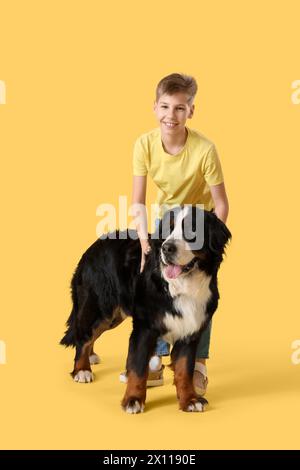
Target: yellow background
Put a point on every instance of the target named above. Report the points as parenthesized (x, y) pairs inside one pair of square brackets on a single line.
[(80, 80)]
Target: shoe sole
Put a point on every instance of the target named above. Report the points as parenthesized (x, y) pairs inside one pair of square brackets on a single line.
[(150, 383), (155, 383)]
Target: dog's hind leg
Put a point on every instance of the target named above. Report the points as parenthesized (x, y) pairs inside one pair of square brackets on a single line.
[(85, 355), (88, 325), (118, 317), (82, 371), (94, 358)]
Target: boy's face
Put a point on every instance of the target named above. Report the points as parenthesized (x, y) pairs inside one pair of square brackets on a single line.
[(172, 111)]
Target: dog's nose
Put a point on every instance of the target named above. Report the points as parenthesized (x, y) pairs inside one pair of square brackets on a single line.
[(168, 248)]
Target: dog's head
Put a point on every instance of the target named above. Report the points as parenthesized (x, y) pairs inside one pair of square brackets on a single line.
[(193, 239)]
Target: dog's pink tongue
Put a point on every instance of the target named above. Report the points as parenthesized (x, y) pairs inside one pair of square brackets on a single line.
[(172, 271)]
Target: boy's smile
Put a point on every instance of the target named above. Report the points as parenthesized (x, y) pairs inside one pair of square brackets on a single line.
[(172, 111)]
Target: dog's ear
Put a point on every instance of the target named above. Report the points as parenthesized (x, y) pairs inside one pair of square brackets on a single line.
[(218, 234)]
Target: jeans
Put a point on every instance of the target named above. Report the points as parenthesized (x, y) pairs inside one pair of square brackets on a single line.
[(163, 348)]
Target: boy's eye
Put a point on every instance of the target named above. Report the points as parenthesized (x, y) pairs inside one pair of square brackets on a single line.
[(181, 109)]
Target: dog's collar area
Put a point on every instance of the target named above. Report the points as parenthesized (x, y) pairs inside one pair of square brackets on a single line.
[(189, 266)]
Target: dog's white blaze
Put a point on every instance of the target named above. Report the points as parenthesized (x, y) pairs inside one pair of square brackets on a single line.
[(184, 254), (177, 231), (191, 295)]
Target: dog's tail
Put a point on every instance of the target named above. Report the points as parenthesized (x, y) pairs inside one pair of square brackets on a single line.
[(69, 338)]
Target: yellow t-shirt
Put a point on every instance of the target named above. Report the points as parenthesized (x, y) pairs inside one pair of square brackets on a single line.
[(183, 178)]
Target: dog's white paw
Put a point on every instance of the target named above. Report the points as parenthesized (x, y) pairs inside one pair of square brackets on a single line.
[(198, 407), (134, 407), (84, 376), (95, 359)]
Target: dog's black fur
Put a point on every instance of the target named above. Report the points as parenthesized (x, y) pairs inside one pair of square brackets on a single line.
[(107, 286)]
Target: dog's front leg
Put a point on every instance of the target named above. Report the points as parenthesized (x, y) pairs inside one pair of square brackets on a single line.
[(141, 346), (183, 361)]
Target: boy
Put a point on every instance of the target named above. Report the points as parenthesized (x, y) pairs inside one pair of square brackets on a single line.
[(185, 167)]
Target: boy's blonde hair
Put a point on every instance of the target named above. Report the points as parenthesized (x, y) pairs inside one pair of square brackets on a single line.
[(177, 82)]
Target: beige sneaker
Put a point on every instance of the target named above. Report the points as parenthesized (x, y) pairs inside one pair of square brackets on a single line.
[(200, 378), (155, 377)]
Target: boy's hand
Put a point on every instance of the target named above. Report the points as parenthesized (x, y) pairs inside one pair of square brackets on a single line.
[(146, 248)]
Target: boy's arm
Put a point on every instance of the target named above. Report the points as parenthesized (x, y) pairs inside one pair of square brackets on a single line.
[(219, 196), (139, 211), (139, 198)]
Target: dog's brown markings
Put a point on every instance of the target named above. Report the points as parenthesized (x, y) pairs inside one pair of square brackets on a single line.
[(136, 389), (83, 362), (183, 381)]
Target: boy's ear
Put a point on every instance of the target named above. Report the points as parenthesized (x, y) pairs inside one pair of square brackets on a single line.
[(192, 111)]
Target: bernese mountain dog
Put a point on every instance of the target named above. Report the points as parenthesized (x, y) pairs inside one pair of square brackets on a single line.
[(174, 297)]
